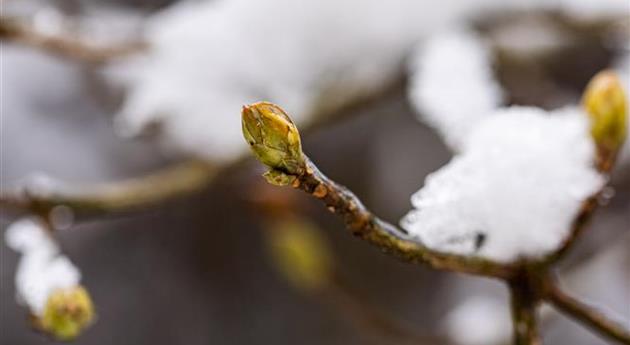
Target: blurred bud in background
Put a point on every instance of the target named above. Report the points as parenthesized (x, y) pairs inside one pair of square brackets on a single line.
[(300, 253)]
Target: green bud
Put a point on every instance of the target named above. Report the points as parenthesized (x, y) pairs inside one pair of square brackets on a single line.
[(273, 137), (605, 102), (301, 254), (67, 313)]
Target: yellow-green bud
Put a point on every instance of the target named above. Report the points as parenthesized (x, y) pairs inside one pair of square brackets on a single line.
[(301, 254), (273, 137), (605, 102), (67, 313)]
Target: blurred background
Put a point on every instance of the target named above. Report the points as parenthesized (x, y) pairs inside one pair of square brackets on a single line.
[(198, 270)]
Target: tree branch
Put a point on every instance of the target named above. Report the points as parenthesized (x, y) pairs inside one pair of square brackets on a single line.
[(14, 31), (365, 225), (172, 182), (589, 316)]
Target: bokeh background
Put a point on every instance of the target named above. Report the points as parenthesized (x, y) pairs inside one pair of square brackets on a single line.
[(197, 270)]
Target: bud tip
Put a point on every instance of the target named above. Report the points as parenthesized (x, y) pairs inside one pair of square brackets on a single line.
[(273, 137)]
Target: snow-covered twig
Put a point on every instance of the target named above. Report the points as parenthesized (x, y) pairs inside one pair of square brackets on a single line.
[(47, 282), (275, 141), (485, 190), (14, 31)]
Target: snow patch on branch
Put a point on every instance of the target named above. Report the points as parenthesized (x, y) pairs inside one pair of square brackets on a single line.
[(42, 269), (514, 190)]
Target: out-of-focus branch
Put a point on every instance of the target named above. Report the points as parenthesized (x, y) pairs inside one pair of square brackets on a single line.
[(587, 315), (41, 197), (15, 31), (140, 192)]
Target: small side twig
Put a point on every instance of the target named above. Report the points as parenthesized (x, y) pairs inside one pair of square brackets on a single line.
[(181, 179), (15, 31), (587, 315)]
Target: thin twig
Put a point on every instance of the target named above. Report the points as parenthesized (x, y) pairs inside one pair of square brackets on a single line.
[(178, 180), (588, 315), (15, 31), (386, 236)]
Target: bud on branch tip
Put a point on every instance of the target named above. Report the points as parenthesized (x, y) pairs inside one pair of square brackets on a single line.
[(606, 104), (273, 137)]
